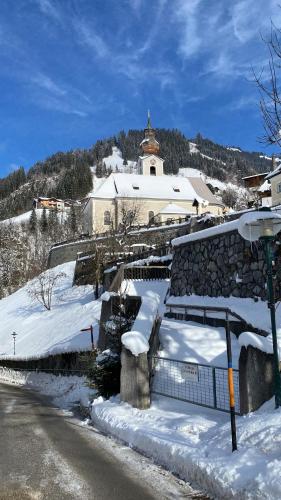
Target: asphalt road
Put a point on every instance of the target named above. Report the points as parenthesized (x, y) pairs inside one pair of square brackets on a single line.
[(45, 456)]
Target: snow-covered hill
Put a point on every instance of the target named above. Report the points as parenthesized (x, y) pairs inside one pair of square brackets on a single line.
[(23, 218), (41, 332)]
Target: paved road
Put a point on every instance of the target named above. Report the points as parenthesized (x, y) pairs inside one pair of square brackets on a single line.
[(45, 456)]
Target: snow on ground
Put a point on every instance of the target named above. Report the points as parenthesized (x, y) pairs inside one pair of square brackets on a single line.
[(255, 313), (64, 390), (23, 218), (188, 341), (152, 295), (195, 443), (42, 333)]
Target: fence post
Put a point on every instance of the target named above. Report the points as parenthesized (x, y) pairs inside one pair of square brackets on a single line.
[(230, 384), (214, 387)]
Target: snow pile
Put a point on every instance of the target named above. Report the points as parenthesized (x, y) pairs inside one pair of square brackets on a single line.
[(152, 296), (249, 225), (150, 260), (194, 343), (195, 443), (40, 332), (64, 390), (262, 343)]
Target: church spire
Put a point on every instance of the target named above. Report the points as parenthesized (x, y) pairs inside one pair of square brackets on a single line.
[(148, 120), (149, 144)]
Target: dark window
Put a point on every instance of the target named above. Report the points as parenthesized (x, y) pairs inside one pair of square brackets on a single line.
[(152, 170), (150, 216), (107, 218), (176, 189)]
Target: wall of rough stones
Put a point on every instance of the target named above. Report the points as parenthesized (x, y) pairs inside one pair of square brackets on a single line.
[(221, 265), (67, 252)]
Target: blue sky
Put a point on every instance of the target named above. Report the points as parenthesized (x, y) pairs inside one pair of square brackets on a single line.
[(73, 71)]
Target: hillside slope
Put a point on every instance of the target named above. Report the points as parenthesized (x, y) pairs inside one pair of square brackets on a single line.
[(40, 332), (68, 175)]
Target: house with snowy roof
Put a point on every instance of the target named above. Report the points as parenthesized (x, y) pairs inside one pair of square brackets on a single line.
[(149, 195), (274, 178)]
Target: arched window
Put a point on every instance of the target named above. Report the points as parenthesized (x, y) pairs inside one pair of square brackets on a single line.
[(152, 170), (150, 216), (107, 218)]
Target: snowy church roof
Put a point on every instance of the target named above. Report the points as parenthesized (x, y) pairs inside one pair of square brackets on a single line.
[(155, 187)]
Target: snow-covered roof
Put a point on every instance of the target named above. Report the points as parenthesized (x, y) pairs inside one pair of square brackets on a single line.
[(266, 186), (255, 175), (276, 171), (172, 208), (156, 187)]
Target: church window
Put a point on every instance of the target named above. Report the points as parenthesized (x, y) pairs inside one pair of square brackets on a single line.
[(152, 170), (107, 218), (150, 216)]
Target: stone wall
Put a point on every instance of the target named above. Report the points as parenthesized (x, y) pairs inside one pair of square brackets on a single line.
[(67, 252), (256, 378), (221, 265)]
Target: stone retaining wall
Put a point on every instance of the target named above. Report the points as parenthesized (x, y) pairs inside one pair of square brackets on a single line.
[(68, 251), (222, 265)]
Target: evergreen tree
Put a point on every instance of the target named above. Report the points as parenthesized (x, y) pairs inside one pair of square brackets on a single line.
[(33, 221), (44, 221), (73, 220)]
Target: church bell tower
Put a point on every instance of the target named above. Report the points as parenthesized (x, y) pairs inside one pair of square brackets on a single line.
[(149, 162)]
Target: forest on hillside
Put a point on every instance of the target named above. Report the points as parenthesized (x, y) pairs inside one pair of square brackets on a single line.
[(67, 175)]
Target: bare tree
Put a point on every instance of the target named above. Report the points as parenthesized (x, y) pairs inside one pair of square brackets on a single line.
[(229, 197), (42, 287), (269, 86), (129, 214)]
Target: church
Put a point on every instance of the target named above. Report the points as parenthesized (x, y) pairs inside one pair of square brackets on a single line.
[(147, 196)]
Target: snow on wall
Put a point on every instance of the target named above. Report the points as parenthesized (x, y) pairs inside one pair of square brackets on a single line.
[(152, 297)]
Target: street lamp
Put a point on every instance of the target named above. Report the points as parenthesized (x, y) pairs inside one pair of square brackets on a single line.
[(263, 225), (14, 334)]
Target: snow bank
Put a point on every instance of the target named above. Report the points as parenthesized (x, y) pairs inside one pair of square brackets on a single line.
[(194, 343), (248, 224), (152, 297), (64, 390), (206, 233), (262, 343), (195, 443), (41, 333), (150, 260)]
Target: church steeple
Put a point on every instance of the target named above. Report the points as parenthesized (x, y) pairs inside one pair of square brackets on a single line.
[(149, 144), (148, 120)]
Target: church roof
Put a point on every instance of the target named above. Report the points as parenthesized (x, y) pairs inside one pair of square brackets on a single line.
[(164, 187)]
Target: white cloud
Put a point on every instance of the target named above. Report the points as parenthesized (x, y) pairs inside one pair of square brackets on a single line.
[(49, 8), (187, 15), (46, 83), (89, 37)]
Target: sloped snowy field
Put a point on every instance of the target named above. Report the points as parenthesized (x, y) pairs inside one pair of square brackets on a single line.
[(40, 332)]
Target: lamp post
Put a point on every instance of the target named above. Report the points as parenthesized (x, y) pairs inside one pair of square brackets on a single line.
[(14, 334), (263, 225)]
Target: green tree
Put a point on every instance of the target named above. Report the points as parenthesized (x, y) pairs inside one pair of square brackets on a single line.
[(44, 221), (73, 220), (33, 221)]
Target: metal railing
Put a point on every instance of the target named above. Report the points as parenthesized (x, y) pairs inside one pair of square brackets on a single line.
[(199, 384), (186, 309), (146, 273)]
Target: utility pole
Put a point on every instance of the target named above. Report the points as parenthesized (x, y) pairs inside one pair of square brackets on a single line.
[(14, 334)]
